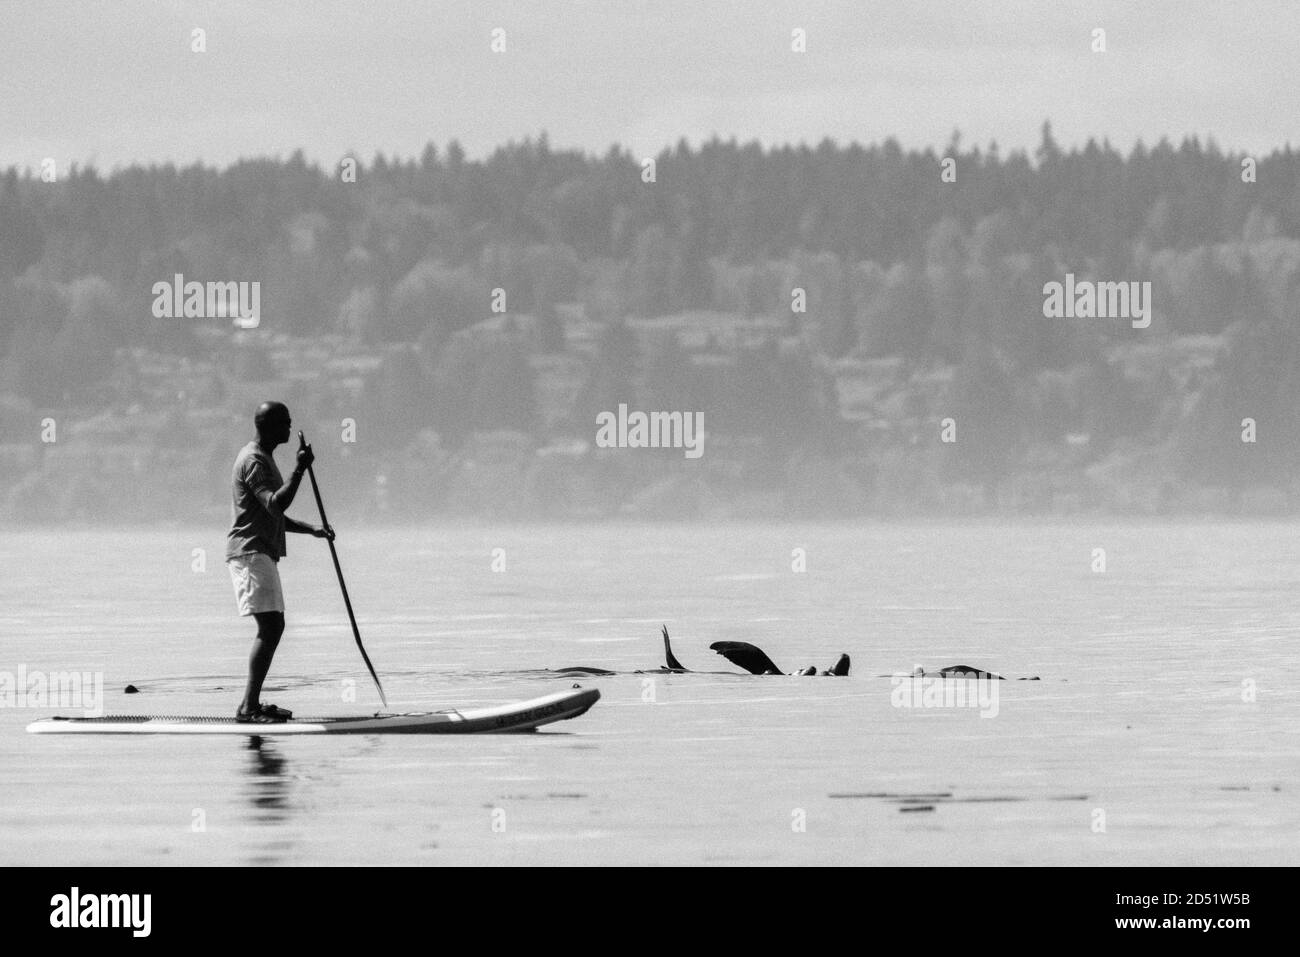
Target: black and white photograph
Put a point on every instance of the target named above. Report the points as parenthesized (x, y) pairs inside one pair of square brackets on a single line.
[(691, 433)]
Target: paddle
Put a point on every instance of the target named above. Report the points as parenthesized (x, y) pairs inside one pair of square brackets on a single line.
[(320, 507)]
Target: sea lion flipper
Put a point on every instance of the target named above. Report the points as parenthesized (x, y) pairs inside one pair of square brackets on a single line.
[(747, 656), (673, 663), (840, 668)]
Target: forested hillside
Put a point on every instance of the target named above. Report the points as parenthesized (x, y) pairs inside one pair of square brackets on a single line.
[(861, 334)]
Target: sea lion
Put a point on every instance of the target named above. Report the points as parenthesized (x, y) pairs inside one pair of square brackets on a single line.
[(964, 671)]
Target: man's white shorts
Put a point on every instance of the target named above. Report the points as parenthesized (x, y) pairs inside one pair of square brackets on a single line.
[(257, 583)]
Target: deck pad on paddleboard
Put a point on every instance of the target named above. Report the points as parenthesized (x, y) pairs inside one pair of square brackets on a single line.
[(519, 716)]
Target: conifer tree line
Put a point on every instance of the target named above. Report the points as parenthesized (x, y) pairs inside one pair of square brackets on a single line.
[(923, 300)]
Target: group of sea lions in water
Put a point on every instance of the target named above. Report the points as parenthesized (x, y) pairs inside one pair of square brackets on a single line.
[(750, 657), (755, 661)]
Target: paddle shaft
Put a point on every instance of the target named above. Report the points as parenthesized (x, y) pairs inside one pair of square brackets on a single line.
[(356, 633)]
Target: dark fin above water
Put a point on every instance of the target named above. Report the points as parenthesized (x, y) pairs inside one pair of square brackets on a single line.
[(841, 667), (673, 663), (747, 656)]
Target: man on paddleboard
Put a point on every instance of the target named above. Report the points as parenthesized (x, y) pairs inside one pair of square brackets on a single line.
[(256, 544)]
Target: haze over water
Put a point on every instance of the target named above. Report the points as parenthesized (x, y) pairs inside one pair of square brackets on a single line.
[(1139, 713)]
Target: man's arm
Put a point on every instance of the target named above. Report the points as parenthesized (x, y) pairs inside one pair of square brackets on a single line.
[(302, 528), (276, 501), (283, 498)]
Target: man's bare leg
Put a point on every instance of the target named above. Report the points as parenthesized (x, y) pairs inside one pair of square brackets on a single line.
[(270, 626)]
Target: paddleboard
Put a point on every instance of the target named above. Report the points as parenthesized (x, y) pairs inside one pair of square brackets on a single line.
[(520, 716)]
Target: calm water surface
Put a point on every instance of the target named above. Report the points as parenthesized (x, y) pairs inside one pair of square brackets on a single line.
[(1139, 725)]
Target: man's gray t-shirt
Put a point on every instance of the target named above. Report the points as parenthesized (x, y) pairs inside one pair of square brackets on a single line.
[(256, 525)]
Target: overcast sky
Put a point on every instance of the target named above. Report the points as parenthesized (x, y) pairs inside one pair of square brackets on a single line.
[(116, 82)]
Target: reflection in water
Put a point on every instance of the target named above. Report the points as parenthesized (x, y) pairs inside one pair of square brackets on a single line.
[(268, 791)]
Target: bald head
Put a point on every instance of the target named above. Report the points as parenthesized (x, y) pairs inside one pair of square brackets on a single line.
[(273, 422)]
